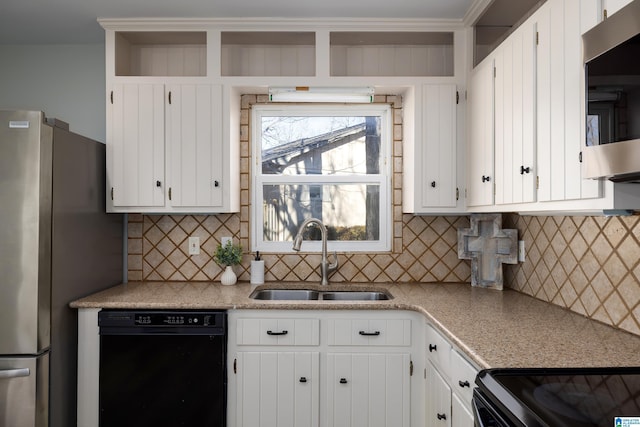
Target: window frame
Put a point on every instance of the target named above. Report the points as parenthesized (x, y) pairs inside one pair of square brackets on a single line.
[(383, 179)]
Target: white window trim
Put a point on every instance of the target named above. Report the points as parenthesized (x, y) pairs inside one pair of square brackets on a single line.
[(384, 244)]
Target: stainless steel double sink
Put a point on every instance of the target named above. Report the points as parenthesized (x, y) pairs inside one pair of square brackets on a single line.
[(312, 295)]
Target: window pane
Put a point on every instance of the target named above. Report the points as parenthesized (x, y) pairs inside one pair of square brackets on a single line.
[(349, 211), (320, 145)]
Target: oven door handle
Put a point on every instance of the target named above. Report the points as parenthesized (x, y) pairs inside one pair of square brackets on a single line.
[(14, 373)]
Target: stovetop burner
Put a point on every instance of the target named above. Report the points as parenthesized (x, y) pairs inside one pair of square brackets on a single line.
[(562, 396)]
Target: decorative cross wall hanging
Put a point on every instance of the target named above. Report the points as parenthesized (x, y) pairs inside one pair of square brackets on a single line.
[(488, 246)]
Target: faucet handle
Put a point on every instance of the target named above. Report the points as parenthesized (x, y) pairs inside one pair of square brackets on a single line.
[(334, 265)]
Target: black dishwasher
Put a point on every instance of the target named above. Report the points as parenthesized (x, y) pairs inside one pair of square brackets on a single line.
[(162, 368)]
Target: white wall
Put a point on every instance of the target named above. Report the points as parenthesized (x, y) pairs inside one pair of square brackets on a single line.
[(64, 81)]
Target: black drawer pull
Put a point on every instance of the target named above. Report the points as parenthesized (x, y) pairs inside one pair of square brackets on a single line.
[(369, 334), (463, 384), (524, 170), (442, 416), (303, 379), (216, 184), (486, 178), (433, 184), (343, 380), (158, 183), (432, 348), (277, 333)]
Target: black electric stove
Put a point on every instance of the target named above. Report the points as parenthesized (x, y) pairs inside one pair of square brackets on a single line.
[(558, 397)]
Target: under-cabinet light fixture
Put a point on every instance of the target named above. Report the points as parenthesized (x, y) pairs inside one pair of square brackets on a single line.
[(321, 94)]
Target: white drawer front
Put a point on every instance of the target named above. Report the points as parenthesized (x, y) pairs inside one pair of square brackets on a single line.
[(438, 350), (463, 376), (369, 332), (278, 332)]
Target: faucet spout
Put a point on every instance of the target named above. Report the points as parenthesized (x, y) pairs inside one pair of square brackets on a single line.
[(325, 268)]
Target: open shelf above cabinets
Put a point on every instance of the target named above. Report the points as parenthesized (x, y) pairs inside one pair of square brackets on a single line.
[(161, 53)]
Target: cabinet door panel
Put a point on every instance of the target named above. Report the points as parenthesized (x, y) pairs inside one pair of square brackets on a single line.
[(368, 390), (439, 146), (460, 415), (195, 145), (438, 399), (277, 389), (136, 164), (480, 146)]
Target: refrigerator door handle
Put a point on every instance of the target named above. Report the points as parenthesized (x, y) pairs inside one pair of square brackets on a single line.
[(14, 373)]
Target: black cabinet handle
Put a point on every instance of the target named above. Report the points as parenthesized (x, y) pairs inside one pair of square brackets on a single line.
[(486, 178), (463, 384), (432, 348), (216, 184), (442, 416), (343, 380), (433, 184), (369, 334), (303, 379), (277, 333), (158, 183), (524, 170)]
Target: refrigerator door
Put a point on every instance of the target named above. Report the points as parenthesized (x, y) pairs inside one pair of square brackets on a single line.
[(23, 391), (25, 235)]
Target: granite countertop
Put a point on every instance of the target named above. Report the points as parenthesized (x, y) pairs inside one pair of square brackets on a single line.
[(496, 329)]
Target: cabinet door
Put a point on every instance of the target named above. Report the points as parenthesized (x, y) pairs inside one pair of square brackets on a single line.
[(480, 142), (439, 186), (560, 105), (368, 389), (438, 410), (135, 146), (194, 139), (277, 389), (514, 118), (460, 415)]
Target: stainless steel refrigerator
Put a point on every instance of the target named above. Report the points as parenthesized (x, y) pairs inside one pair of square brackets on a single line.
[(56, 244)]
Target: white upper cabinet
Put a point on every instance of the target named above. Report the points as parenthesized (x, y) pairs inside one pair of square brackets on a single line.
[(515, 145), (195, 146), (560, 107), (169, 144), (480, 158), (434, 161), (135, 147)]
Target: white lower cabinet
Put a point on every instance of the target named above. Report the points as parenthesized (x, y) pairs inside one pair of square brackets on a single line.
[(450, 381), (324, 368), (277, 388), (368, 389)]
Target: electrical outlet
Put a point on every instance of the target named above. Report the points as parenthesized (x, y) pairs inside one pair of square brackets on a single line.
[(521, 252), (224, 240), (194, 246)]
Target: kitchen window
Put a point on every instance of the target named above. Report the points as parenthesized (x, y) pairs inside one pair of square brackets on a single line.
[(330, 162)]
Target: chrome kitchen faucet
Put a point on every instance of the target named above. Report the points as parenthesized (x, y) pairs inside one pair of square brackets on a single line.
[(325, 268)]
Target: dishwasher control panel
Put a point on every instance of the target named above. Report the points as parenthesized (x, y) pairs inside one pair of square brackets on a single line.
[(148, 319)]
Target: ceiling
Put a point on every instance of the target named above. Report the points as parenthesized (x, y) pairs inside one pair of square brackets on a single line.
[(74, 21)]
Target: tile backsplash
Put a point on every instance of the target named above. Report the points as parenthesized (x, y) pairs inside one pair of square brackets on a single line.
[(590, 265)]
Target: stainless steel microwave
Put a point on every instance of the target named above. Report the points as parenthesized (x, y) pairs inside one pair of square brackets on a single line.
[(612, 77)]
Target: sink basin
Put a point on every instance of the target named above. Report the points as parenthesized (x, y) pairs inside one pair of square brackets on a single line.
[(356, 296), (284, 294), (308, 295)]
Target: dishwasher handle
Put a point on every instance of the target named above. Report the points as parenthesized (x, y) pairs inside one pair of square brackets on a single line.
[(14, 373)]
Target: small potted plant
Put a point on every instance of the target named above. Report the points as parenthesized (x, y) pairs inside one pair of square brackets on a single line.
[(228, 256)]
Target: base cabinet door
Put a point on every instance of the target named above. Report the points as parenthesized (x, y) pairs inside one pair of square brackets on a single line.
[(460, 414), (438, 399), (368, 390), (277, 389)]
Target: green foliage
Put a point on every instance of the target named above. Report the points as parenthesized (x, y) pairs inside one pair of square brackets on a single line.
[(228, 254)]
